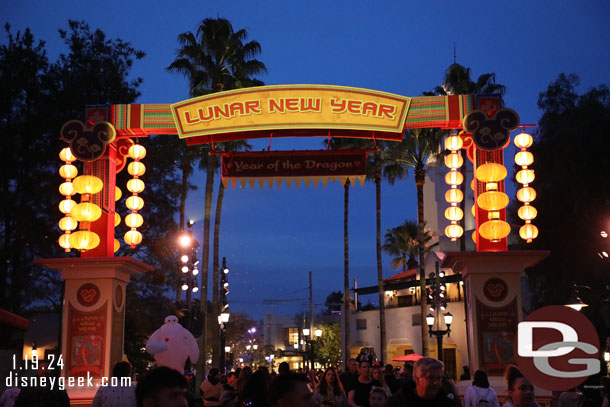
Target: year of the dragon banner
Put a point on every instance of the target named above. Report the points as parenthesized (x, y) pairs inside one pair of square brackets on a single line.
[(275, 167)]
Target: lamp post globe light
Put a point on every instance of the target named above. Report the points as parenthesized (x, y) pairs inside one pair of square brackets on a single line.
[(439, 333), (223, 318), (437, 298), (310, 344)]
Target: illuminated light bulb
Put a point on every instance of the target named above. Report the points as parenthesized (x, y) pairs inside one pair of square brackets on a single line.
[(134, 220), (185, 287), (453, 231), (66, 155), (491, 172), (88, 184), (494, 230), (527, 194), (86, 212), (527, 212), (185, 269), (66, 206), (135, 185), (84, 240), (454, 160), (195, 272), (133, 237), (524, 158), (66, 188), (68, 171), (136, 169), (117, 193), (117, 219), (136, 152), (195, 289), (523, 140), (454, 213), (454, 195), (493, 200), (454, 143), (64, 241), (184, 258), (134, 202), (117, 245), (525, 176), (454, 178), (528, 232)]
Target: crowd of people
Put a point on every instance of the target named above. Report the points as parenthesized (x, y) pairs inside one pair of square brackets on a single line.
[(361, 385)]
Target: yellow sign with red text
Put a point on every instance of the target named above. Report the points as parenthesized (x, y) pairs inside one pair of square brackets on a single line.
[(291, 107)]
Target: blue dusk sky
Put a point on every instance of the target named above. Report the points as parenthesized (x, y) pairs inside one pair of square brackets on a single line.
[(273, 238)]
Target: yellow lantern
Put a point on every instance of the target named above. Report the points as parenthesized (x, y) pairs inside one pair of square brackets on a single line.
[(134, 202), (64, 241), (86, 212), (136, 152), (135, 185), (133, 237), (66, 155), (491, 172), (523, 140), (454, 195), (68, 223), (117, 219), (473, 209), (454, 213), (68, 171), (527, 212), (117, 245), (134, 220), (454, 231), (454, 178), (524, 158), (66, 188), (84, 240), (453, 143), (528, 232), (527, 194), (136, 169), (474, 236), (472, 184), (117, 193), (454, 160), (66, 206), (494, 230), (493, 200), (88, 184), (525, 176)]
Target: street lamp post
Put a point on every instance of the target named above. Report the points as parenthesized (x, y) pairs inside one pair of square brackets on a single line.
[(439, 333), (223, 318), (310, 343)]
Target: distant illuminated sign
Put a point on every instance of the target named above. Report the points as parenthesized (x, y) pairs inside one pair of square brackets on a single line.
[(291, 107)]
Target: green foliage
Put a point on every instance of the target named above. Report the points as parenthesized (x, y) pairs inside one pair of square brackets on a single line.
[(328, 347), (572, 169), (457, 81)]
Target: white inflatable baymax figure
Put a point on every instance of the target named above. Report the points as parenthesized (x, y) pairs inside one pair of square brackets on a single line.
[(172, 344)]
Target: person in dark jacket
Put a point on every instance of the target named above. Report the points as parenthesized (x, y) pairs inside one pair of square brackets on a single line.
[(428, 376)]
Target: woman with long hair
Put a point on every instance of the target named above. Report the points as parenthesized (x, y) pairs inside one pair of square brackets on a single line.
[(480, 393), (329, 391), (520, 390), (377, 374)]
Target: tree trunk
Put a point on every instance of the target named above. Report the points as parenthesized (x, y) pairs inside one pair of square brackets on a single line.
[(420, 179), (382, 332), (209, 189), (346, 294), (215, 262)]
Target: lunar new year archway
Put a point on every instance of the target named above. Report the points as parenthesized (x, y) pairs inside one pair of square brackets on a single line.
[(94, 312)]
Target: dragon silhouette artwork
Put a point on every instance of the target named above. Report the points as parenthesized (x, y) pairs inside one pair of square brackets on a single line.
[(88, 143)]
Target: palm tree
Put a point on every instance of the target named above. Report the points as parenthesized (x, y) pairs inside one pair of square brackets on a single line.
[(401, 241), (381, 164), (213, 59), (338, 144), (421, 148)]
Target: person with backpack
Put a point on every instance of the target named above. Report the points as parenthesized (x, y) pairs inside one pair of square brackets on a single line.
[(480, 394)]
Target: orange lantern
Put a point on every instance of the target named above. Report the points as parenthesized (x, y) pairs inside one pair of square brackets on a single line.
[(84, 240), (86, 212), (528, 232), (133, 237), (493, 200), (454, 196), (88, 184), (494, 230), (454, 231)]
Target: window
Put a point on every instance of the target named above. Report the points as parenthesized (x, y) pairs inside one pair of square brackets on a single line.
[(361, 324), (291, 336), (416, 320), (405, 300)]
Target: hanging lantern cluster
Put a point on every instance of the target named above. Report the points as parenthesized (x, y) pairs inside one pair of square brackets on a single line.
[(454, 195), (493, 201), (526, 194), (134, 203), (117, 218), (68, 171)]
